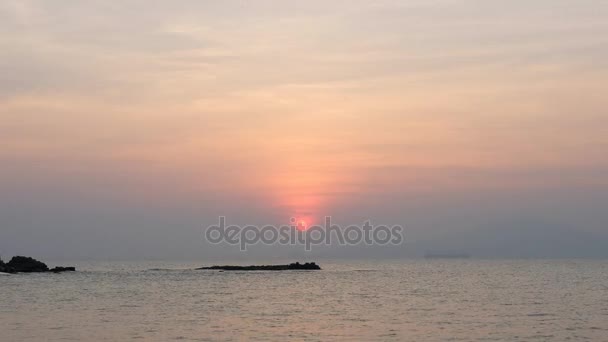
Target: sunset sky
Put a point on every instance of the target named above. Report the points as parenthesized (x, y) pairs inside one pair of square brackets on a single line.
[(129, 125)]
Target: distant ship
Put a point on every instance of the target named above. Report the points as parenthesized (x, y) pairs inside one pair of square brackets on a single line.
[(447, 256)]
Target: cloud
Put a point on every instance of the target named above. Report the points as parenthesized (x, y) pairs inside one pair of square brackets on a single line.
[(271, 109)]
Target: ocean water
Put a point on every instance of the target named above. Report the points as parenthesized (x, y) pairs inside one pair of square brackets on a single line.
[(424, 300)]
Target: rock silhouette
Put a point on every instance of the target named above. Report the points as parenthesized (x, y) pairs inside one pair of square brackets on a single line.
[(21, 264), (293, 266), (59, 269), (26, 265)]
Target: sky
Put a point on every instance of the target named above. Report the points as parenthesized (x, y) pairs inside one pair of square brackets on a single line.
[(127, 127)]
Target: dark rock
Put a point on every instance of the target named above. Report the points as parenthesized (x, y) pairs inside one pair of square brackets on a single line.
[(21, 264), (26, 265), (294, 266), (63, 269)]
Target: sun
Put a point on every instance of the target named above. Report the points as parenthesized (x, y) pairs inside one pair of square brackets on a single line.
[(300, 223)]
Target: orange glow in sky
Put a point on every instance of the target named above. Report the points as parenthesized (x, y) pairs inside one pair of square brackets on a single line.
[(303, 111)]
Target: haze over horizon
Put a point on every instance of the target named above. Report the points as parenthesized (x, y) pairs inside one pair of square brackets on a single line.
[(128, 127)]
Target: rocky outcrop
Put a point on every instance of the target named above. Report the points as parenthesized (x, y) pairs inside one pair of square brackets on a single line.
[(295, 266), (63, 269), (21, 264)]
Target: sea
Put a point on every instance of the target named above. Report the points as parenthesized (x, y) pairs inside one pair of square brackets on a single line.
[(394, 300)]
